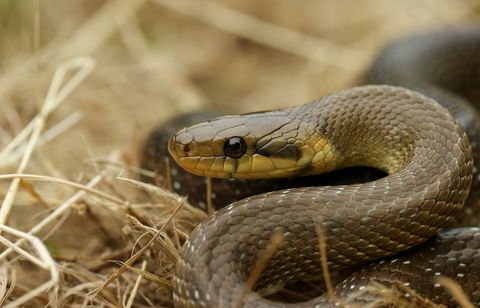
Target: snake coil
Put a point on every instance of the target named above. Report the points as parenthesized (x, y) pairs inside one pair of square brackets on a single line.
[(425, 153)]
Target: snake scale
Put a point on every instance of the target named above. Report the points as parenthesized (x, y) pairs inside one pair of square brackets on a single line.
[(423, 150)]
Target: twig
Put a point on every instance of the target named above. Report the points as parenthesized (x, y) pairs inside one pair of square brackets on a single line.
[(210, 208), (5, 279), (324, 261), (168, 174), (44, 261), (456, 291), (139, 253), (138, 170), (22, 252), (147, 275), (262, 261), (136, 285), (52, 133), (44, 178), (4, 283), (268, 34), (56, 213), (88, 65), (55, 95), (85, 40), (154, 189)]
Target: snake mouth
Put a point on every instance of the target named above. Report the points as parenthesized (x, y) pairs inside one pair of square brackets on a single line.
[(269, 161), (195, 158), (247, 167)]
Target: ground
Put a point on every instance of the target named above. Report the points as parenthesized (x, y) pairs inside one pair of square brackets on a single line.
[(127, 66)]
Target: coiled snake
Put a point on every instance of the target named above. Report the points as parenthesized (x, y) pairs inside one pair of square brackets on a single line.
[(426, 156)]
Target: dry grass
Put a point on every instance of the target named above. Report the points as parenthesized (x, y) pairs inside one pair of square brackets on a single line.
[(120, 67)]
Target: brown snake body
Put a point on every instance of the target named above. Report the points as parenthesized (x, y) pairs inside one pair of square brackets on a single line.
[(417, 142)]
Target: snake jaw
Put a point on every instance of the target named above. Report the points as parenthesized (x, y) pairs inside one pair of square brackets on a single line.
[(275, 146)]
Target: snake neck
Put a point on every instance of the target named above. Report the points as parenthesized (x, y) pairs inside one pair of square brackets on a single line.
[(357, 131)]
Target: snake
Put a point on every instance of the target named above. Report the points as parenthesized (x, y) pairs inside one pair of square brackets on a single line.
[(410, 123)]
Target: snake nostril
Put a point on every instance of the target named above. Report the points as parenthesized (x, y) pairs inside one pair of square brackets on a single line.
[(186, 149), (183, 143)]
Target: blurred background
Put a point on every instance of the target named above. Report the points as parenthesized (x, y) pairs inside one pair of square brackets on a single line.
[(156, 59)]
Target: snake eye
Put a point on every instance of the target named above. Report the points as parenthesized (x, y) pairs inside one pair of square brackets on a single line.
[(234, 147)]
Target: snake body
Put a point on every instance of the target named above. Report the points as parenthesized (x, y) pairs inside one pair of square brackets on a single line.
[(379, 126), (421, 147), (445, 65)]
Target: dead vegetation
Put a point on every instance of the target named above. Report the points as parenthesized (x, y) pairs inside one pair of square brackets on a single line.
[(82, 83)]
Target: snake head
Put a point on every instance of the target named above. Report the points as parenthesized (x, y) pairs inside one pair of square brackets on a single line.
[(258, 145)]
